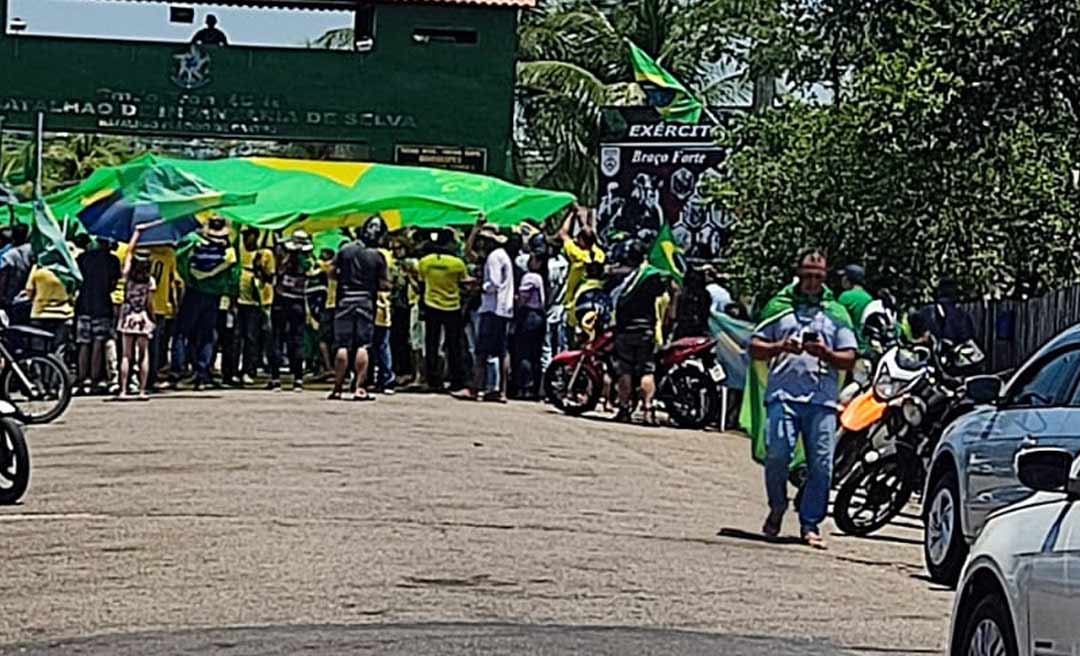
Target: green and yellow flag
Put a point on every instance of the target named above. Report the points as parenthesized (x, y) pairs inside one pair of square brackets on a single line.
[(674, 102), (667, 256)]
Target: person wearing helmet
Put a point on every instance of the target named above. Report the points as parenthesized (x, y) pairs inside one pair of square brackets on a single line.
[(360, 271), (288, 317)]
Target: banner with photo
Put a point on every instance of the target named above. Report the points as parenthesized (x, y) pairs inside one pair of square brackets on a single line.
[(654, 173)]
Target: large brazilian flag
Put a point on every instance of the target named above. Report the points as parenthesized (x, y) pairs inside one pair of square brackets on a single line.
[(287, 194)]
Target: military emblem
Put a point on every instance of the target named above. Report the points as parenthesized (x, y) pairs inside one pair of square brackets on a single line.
[(192, 68)]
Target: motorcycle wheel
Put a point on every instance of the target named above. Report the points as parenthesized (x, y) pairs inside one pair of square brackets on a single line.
[(14, 462), (583, 398), (871, 496), (690, 397), (50, 389)]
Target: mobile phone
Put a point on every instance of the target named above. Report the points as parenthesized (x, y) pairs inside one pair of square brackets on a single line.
[(811, 336)]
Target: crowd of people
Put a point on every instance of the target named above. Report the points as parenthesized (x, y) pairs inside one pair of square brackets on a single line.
[(478, 314)]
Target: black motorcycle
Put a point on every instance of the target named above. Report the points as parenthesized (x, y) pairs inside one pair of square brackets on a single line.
[(14, 457), (892, 466), (35, 381)]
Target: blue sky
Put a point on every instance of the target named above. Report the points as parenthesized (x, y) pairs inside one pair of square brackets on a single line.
[(150, 21)]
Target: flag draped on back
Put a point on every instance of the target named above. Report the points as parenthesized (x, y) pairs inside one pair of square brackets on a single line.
[(752, 415), (674, 102), (51, 249)]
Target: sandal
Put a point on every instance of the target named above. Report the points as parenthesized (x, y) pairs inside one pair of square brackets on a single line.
[(814, 541), (361, 398), (334, 396), (623, 416)]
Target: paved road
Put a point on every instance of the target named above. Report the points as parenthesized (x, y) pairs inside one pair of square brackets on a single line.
[(423, 525)]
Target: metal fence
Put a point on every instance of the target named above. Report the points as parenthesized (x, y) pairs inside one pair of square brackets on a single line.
[(1011, 331)]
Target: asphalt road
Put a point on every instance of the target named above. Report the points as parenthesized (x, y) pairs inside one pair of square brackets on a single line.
[(262, 523)]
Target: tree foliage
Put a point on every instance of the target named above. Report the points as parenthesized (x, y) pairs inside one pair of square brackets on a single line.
[(950, 151)]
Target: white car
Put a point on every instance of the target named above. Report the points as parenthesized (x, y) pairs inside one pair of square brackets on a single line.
[(1019, 594)]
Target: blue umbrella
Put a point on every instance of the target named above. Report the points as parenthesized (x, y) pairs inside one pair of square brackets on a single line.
[(113, 217)]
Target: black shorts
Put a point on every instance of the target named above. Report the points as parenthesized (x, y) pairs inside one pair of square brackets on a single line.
[(353, 327), (492, 335), (635, 353)]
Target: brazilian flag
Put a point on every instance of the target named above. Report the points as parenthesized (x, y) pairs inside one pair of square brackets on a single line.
[(667, 256), (674, 102), (50, 248)]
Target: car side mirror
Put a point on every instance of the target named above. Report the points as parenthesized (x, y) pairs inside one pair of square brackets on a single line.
[(983, 390), (1046, 470)]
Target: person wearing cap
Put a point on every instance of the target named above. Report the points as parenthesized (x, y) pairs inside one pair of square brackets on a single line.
[(288, 318), (256, 297), (136, 314), (855, 298), (495, 312), (360, 272), (443, 274), (209, 266)]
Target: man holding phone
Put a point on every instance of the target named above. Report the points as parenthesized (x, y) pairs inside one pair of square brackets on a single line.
[(807, 346)]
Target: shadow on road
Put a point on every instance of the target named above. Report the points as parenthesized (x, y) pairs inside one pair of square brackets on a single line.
[(740, 534), (879, 538)]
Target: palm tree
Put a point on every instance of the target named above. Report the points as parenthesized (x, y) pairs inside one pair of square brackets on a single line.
[(573, 62)]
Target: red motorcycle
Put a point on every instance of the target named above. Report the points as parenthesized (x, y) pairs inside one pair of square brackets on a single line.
[(688, 379)]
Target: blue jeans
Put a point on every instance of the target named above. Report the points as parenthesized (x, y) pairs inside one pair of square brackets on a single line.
[(382, 358), (816, 425)]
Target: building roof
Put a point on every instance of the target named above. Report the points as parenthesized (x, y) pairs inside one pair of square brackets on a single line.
[(348, 4)]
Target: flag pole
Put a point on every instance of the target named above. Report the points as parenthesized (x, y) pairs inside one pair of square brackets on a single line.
[(39, 156)]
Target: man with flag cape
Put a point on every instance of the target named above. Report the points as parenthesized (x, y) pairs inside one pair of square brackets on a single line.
[(799, 353), (639, 306)]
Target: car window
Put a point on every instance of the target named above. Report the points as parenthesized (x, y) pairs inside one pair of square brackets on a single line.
[(1052, 384)]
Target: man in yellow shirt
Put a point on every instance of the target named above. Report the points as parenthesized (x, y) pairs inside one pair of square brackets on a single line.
[(51, 307), (581, 250), (443, 273), (255, 300)]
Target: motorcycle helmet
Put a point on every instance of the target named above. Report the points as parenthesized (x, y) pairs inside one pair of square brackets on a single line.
[(373, 231)]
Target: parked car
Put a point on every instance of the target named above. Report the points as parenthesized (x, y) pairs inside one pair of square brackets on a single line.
[(1020, 590), (972, 472)]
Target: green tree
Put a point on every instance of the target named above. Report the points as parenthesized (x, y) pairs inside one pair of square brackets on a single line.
[(951, 152)]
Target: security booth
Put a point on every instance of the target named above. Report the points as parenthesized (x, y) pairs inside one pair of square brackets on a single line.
[(407, 81)]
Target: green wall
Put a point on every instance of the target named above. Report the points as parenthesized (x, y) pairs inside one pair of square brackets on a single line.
[(401, 92)]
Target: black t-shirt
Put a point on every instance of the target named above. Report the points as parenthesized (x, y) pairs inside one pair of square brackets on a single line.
[(637, 306), (100, 272), (359, 272)]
